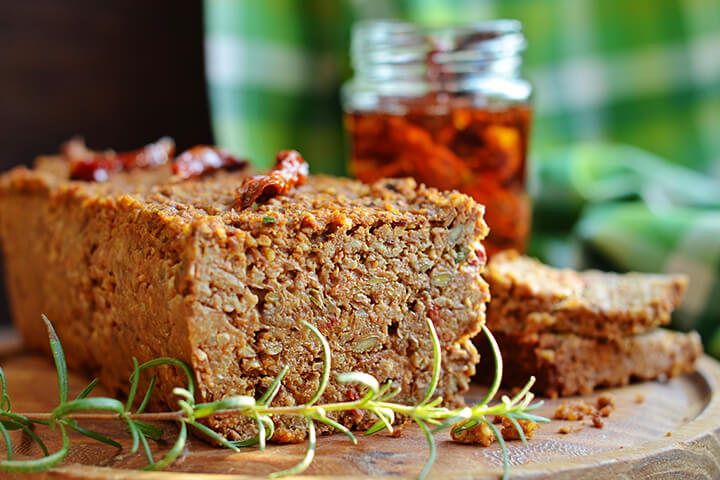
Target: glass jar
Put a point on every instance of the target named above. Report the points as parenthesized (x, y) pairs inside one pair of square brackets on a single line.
[(448, 107)]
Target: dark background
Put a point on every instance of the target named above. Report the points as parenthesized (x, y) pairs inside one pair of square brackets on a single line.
[(119, 73)]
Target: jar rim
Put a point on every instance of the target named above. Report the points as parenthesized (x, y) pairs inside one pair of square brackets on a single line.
[(486, 35)]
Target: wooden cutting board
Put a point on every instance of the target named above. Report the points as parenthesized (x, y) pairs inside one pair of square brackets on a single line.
[(658, 430)]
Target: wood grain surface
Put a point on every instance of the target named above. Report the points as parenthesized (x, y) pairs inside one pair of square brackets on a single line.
[(674, 432)]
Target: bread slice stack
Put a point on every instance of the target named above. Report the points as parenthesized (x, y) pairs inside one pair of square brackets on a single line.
[(577, 331)]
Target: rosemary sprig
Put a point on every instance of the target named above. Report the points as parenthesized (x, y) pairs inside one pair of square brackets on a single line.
[(377, 400)]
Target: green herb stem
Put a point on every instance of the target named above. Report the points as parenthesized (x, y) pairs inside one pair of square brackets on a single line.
[(376, 401)]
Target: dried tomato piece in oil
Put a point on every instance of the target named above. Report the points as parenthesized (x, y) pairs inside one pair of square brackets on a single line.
[(202, 159), (477, 151), (290, 170), (89, 165)]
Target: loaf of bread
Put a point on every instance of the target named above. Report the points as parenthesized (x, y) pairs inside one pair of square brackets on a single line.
[(147, 265)]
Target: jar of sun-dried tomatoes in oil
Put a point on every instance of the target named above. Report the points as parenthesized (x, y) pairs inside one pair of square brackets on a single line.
[(448, 107)]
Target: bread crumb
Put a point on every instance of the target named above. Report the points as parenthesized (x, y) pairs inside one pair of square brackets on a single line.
[(605, 400), (480, 434), (399, 430), (639, 398), (509, 432), (597, 422), (605, 411), (574, 411), (565, 429), (668, 434)]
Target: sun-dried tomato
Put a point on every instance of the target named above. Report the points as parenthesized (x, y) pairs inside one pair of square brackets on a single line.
[(89, 165), (451, 144), (202, 159), (290, 170)]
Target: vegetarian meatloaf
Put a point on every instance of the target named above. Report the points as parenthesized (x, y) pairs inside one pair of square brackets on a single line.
[(567, 364), (146, 265), (528, 296), (577, 331)]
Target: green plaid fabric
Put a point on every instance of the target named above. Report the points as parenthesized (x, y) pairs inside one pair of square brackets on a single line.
[(642, 72)]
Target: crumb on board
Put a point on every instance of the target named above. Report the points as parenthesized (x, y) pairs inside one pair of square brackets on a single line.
[(668, 434), (398, 430), (479, 434), (483, 435), (639, 398), (565, 429), (575, 411), (509, 432), (605, 399), (605, 411)]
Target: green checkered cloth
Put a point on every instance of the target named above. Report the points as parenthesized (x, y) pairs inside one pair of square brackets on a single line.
[(606, 73)]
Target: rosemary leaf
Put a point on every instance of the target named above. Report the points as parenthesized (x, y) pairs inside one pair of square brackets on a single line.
[(326, 364), (519, 429), (146, 399), (238, 402), (307, 460), (148, 452), (59, 356), (174, 452), (94, 435), (382, 423), (437, 358), (214, 435), (261, 432), (341, 428), (37, 440), (498, 367), (363, 379), (503, 448), (171, 361), (135, 434), (463, 414), (86, 391), (134, 381), (153, 432), (3, 392), (390, 395), (248, 442), (8, 442), (375, 428), (94, 404), (431, 444), (11, 424), (274, 387)]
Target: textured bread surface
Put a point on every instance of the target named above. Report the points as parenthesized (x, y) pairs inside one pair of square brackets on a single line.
[(528, 297), (567, 364), (142, 266)]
